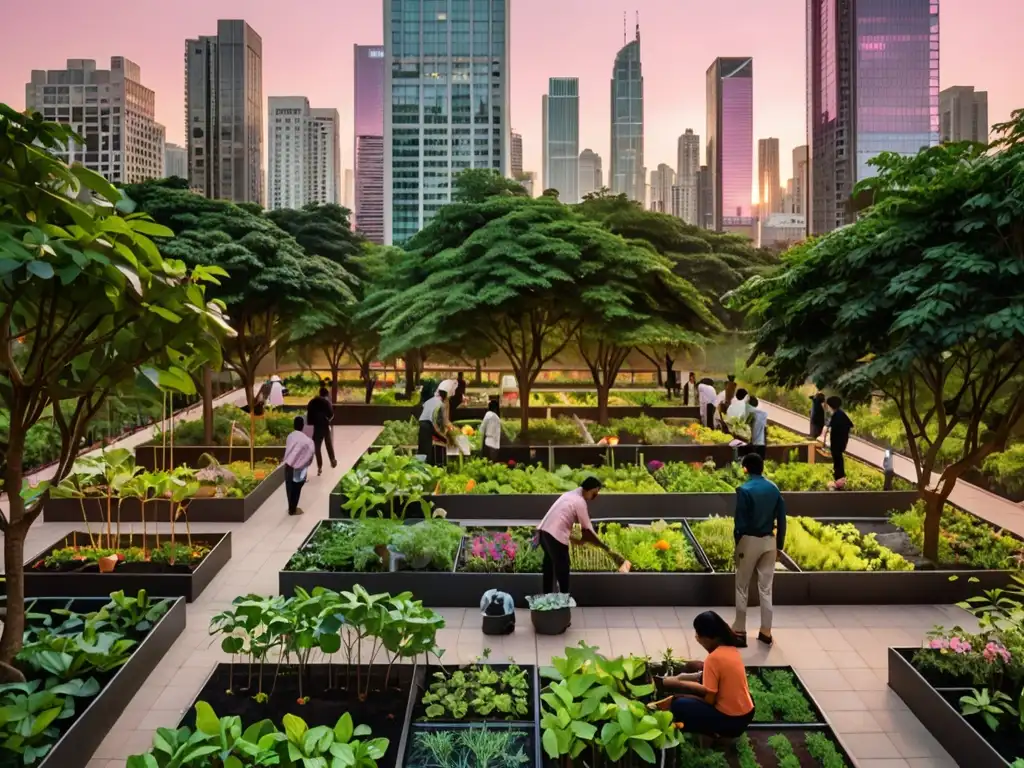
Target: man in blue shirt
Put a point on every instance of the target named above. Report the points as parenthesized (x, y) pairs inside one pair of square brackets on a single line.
[(760, 531)]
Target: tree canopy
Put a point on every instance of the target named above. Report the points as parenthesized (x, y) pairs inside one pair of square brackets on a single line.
[(920, 299)]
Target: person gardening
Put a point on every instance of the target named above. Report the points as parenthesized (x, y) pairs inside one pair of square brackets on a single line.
[(759, 529), (719, 703), (490, 431), (555, 530)]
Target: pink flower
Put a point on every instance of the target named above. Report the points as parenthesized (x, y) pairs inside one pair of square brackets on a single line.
[(995, 650), (956, 645), (939, 644)]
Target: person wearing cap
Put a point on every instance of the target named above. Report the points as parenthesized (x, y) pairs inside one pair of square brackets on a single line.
[(555, 530)]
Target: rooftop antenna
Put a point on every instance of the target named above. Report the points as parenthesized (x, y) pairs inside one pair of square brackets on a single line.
[(624, 27), (638, 25)]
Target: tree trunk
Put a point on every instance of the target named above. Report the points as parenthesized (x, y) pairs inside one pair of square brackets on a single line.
[(524, 405), (603, 392), (334, 380), (207, 405), (364, 374), (411, 362), (934, 503), (14, 576), (479, 380)]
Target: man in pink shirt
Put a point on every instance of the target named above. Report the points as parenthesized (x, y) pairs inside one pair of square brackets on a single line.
[(556, 528), (298, 455)]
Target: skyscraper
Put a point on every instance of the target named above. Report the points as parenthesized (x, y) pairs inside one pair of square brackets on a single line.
[(799, 192), (446, 103), (873, 82), (224, 113), (662, 181), (687, 167), (730, 147), (561, 138), (591, 173), (368, 150), (349, 196), (175, 161), (304, 154), (768, 183), (964, 114), (705, 199), (627, 174), (517, 154), (111, 109)]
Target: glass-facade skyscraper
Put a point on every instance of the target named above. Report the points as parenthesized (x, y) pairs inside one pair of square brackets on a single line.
[(627, 174), (730, 143), (446, 102), (368, 120), (873, 83), (561, 136)]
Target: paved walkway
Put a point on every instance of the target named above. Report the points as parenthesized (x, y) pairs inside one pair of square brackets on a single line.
[(840, 652), (988, 506)]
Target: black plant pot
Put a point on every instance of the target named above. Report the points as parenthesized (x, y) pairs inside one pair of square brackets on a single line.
[(499, 625), (551, 622)]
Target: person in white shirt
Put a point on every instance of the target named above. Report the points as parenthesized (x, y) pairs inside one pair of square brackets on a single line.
[(428, 419), (490, 431), (758, 426), (275, 399), (706, 397), (738, 406)]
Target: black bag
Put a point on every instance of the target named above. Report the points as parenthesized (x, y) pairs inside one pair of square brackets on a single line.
[(495, 619)]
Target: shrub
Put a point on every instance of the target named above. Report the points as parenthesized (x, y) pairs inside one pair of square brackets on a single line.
[(816, 546), (357, 546), (715, 536), (398, 433), (659, 546), (679, 477), (963, 539)]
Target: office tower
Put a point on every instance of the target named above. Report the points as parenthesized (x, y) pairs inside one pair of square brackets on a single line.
[(175, 161), (627, 174), (304, 155), (446, 103), (798, 193), (705, 199), (111, 109), (730, 143), (560, 109), (687, 167), (517, 154), (349, 200), (591, 173), (662, 181), (964, 114), (224, 113), (769, 192), (873, 82), (368, 150), (781, 230)]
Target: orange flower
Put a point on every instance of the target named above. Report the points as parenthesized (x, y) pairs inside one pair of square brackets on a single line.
[(613, 441), (470, 485), (661, 545)]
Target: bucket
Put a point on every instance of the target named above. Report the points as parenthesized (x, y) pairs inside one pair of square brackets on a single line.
[(499, 625), (551, 622)]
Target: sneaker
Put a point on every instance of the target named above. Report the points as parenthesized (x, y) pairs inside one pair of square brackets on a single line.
[(299, 511)]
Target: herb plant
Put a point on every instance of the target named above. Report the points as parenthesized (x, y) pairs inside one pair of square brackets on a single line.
[(965, 541), (817, 546), (475, 747), (479, 690), (388, 482), (778, 699)]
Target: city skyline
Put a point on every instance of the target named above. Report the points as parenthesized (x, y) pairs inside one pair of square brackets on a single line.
[(298, 59)]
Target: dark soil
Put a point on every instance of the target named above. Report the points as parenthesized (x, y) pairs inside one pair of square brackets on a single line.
[(766, 755), (727, 757), (419, 710), (1008, 741), (383, 710), (122, 567), (417, 756)]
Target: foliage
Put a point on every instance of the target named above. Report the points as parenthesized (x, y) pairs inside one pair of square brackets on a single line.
[(479, 690), (231, 427), (593, 706), (474, 747), (916, 305), (964, 540), (179, 553), (823, 749), (778, 699), (220, 741), (363, 545), (398, 433), (480, 476), (990, 706), (680, 477), (715, 536), (509, 551), (387, 481), (657, 547), (1007, 467), (553, 601), (817, 546)]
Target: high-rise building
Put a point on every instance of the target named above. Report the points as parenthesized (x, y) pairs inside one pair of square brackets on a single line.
[(368, 148), (662, 180), (705, 199), (873, 82), (627, 173), (768, 184), (798, 194), (446, 103), (175, 161), (730, 142), (560, 109), (305, 154), (963, 114), (517, 154), (111, 109), (349, 199), (687, 167), (591, 173), (224, 113)]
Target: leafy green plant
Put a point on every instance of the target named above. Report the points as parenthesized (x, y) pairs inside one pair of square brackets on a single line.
[(29, 712), (364, 545), (778, 699), (992, 706), (479, 690), (679, 477), (385, 481), (432, 542), (715, 536), (552, 601), (817, 546), (398, 433), (783, 750), (658, 547), (964, 541), (823, 749)]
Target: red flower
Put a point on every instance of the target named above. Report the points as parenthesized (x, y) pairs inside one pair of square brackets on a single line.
[(511, 462)]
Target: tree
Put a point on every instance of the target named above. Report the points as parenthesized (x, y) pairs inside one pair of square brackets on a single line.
[(322, 230), (272, 282), (86, 300), (524, 275), (477, 184), (920, 300)]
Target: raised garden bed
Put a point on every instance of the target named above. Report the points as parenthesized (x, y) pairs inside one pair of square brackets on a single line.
[(200, 509), (76, 738), (815, 747), (67, 576), (153, 456), (359, 414), (968, 740)]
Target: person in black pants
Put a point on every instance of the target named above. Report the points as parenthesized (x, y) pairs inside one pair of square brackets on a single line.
[(555, 529), (298, 455), (817, 415), (319, 415), (839, 429)]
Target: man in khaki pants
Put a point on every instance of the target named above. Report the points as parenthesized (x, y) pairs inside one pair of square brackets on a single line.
[(760, 531)]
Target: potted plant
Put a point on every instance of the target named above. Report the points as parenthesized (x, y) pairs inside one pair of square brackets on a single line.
[(551, 614)]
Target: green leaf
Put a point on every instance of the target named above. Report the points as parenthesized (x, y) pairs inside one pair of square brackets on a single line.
[(644, 750), (41, 269), (206, 721), (550, 742), (343, 728), (583, 730), (294, 728)]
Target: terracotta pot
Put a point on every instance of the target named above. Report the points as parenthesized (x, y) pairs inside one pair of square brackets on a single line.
[(108, 563)]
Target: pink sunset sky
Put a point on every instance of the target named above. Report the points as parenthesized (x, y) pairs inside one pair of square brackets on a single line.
[(307, 50)]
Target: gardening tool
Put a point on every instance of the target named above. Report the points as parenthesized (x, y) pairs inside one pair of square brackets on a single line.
[(626, 566)]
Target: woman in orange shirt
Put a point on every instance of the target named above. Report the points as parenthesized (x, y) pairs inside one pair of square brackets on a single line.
[(718, 703)]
